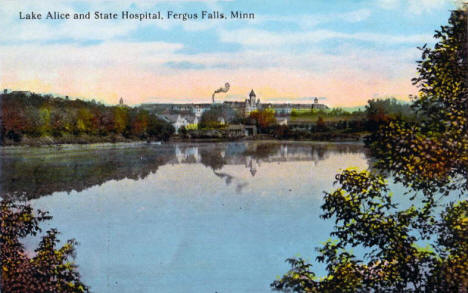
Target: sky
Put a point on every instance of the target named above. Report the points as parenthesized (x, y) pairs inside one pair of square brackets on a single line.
[(344, 52)]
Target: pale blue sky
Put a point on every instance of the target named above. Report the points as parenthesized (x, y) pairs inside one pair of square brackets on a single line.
[(347, 51)]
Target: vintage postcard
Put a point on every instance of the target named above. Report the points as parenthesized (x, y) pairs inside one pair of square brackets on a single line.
[(233, 146)]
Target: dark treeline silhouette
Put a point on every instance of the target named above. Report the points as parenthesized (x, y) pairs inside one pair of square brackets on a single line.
[(27, 116)]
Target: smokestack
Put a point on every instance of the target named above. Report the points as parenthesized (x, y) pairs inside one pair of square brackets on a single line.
[(224, 89)]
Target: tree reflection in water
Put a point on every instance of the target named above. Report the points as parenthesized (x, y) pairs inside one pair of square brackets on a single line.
[(34, 173)]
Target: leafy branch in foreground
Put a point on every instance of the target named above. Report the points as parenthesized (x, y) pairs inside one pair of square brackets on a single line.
[(430, 159), (366, 217), (48, 268)]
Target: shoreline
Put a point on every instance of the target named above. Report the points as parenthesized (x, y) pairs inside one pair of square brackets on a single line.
[(123, 145), (73, 146)]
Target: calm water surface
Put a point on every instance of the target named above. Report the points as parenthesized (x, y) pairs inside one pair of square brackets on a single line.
[(209, 217)]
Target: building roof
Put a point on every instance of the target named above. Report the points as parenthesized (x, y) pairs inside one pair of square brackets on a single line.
[(236, 127), (234, 103), (252, 93), (170, 117), (190, 118)]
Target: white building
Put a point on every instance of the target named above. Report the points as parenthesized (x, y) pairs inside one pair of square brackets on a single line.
[(179, 120), (282, 121), (198, 110)]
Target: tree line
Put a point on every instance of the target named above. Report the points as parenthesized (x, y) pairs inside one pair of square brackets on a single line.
[(377, 112), (34, 115)]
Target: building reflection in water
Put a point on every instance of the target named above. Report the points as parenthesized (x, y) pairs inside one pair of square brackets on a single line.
[(42, 172)]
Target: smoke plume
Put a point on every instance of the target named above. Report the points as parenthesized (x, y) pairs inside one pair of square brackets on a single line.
[(224, 89)]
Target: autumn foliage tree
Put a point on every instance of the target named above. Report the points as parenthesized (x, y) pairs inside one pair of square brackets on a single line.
[(36, 115), (263, 118), (422, 248), (48, 269)]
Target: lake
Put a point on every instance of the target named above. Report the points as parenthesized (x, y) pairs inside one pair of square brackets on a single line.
[(182, 217)]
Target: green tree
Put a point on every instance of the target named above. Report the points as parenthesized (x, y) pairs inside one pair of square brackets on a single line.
[(44, 114), (158, 129), (381, 111), (84, 120), (211, 118), (51, 269), (430, 159), (120, 119)]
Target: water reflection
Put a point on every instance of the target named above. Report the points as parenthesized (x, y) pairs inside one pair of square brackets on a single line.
[(183, 217), (33, 173)]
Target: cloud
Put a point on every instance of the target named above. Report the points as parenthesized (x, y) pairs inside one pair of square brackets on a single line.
[(416, 7), (422, 6), (356, 15), (71, 31), (310, 20), (139, 71), (80, 30), (389, 4), (254, 37), (53, 30), (184, 65), (49, 57), (302, 20)]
